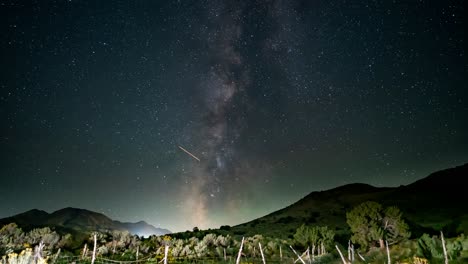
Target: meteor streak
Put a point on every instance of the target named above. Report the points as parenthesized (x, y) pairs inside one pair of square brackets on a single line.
[(186, 151)]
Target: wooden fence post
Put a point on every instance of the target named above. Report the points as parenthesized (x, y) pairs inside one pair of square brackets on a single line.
[(363, 259), (137, 251), (166, 250), (240, 251), (94, 249), (261, 252), (341, 255), (443, 247), (388, 252), (297, 254), (281, 254), (85, 249), (56, 256)]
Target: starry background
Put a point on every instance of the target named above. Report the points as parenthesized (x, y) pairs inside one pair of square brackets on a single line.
[(276, 98)]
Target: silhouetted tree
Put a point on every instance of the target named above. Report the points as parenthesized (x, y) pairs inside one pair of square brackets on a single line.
[(371, 224)]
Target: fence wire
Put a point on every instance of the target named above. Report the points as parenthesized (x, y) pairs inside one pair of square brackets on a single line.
[(154, 260)]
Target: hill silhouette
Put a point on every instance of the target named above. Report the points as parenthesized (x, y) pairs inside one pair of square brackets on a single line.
[(79, 220), (436, 202)]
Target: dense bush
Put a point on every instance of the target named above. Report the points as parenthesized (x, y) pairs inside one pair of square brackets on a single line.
[(371, 224)]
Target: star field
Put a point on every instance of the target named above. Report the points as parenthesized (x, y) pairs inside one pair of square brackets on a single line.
[(276, 98)]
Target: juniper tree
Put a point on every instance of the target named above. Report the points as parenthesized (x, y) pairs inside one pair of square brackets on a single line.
[(395, 229), (371, 224)]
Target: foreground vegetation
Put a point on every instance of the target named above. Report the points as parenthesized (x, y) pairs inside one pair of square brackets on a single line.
[(373, 229)]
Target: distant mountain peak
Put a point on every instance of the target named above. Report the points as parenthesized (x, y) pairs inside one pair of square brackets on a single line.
[(75, 210), (35, 212), (354, 188), (82, 220)]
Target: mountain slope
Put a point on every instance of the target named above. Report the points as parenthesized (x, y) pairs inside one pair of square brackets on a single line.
[(79, 220), (435, 202), (27, 219), (143, 229)]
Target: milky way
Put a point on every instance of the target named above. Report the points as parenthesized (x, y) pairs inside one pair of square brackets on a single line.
[(221, 91)]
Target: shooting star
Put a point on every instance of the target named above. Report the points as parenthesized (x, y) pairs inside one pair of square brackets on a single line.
[(186, 151)]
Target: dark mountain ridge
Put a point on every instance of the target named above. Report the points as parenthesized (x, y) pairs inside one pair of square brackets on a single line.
[(435, 202), (80, 220)]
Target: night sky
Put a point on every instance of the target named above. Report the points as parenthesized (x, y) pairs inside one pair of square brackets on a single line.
[(276, 98)]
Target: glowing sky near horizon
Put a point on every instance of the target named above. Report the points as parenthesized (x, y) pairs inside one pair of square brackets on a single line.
[(275, 98)]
